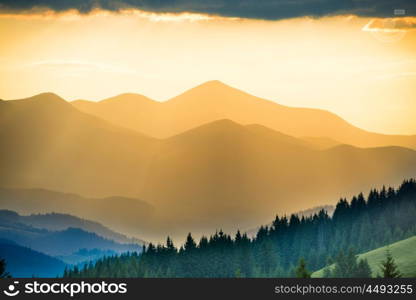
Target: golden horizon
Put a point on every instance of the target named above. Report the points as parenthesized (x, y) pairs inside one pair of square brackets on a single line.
[(362, 69)]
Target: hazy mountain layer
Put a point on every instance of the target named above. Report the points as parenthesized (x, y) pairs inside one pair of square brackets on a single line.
[(62, 244), (218, 175), (24, 262), (127, 215), (214, 100), (45, 141), (60, 222)]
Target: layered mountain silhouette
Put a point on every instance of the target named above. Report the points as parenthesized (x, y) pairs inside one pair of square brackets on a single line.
[(221, 173), (59, 243), (60, 222), (23, 262), (215, 100), (45, 141), (121, 213)]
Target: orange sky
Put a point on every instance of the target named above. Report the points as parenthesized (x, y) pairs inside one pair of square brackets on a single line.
[(364, 70)]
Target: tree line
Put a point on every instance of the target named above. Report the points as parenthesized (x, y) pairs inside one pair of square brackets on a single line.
[(279, 250)]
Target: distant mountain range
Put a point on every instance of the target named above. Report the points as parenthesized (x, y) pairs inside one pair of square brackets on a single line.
[(25, 263), (136, 213), (69, 244), (214, 100), (220, 174), (60, 222)]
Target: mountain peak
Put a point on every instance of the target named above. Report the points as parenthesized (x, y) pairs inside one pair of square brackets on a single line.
[(211, 91), (131, 98), (217, 127), (49, 103), (46, 99), (213, 85), (221, 123)]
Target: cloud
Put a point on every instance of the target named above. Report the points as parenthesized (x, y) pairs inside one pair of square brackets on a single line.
[(255, 9), (391, 25)]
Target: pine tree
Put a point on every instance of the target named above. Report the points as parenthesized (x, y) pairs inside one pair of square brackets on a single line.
[(301, 271), (3, 273), (348, 266), (363, 269), (389, 268), (275, 250), (190, 243), (238, 273)]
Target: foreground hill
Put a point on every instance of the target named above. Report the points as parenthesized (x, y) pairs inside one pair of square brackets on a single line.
[(220, 174), (215, 100), (403, 252), (25, 263)]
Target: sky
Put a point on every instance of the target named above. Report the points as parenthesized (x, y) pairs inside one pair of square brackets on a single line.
[(356, 61)]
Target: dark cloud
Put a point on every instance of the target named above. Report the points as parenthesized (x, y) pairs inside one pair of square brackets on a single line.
[(257, 9)]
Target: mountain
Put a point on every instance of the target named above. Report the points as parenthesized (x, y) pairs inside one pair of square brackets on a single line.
[(22, 262), (320, 143), (215, 100), (47, 143), (218, 175), (124, 109), (227, 175), (136, 213), (59, 222), (84, 256), (402, 251), (44, 139), (71, 240), (384, 217), (61, 243)]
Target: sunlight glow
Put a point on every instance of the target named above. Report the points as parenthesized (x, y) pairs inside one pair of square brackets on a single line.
[(358, 68)]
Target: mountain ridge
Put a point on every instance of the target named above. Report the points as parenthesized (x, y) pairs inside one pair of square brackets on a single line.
[(23, 262), (33, 202), (57, 243), (215, 100), (58, 222), (222, 172)]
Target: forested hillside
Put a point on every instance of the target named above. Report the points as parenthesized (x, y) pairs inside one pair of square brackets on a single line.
[(404, 253), (25, 262), (383, 217)]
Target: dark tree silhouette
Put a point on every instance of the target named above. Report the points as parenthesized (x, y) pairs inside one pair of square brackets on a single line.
[(3, 273), (301, 271), (363, 269), (348, 266), (384, 217), (389, 268)]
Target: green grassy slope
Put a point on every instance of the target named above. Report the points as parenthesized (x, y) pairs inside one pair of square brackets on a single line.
[(404, 253)]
